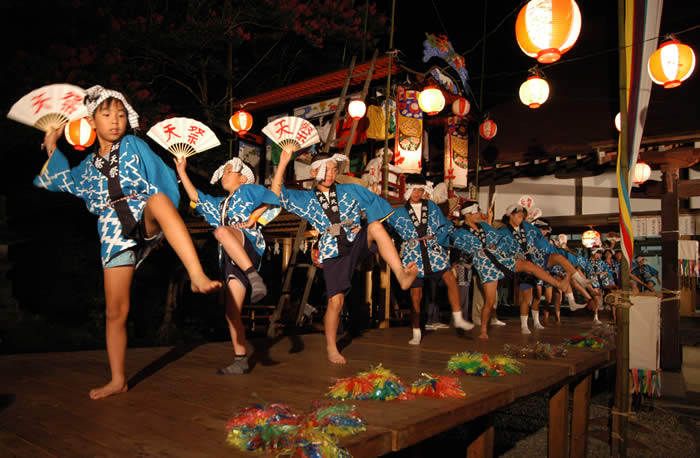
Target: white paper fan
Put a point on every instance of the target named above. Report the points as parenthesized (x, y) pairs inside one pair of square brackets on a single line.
[(439, 193), (527, 202), (50, 107), (291, 133), (533, 214), (183, 137)]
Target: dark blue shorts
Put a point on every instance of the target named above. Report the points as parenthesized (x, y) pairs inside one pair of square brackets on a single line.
[(229, 269), (338, 271)]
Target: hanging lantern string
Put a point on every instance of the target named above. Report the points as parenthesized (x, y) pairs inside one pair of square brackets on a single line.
[(574, 59), (498, 26)]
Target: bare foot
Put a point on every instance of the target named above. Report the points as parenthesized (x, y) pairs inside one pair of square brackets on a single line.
[(109, 389), (204, 285), (409, 273), (335, 357), (483, 335)]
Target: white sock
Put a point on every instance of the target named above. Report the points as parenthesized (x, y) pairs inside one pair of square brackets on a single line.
[(558, 316), (536, 319), (460, 322), (523, 321), (570, 298), (416, 337), (595, 316)]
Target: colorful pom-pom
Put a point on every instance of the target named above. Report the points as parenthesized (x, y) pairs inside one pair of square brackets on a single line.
[(480, 364), (586, 341), (276, 428), (438, 386), (537, 350), (378, 383)]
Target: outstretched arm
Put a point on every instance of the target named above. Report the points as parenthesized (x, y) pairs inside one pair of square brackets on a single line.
[(278, 179), (181, 166)]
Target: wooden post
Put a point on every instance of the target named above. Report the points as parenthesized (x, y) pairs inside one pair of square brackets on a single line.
[(579, 418), (559, 422), (670, 313), (286, 253), (482, 445)]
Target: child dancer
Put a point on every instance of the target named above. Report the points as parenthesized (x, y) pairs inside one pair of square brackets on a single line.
[(530, 245), (234, 218), (420, 223), (334, 211), (493, 260), (135, 196)]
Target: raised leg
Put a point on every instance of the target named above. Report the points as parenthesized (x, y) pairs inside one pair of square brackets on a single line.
[(161, 215), (377, 234)]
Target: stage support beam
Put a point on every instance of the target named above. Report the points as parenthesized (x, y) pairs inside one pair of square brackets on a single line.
[(670, 313)]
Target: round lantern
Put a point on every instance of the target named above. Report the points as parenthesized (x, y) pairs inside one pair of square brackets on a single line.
[(241, 122), (80, 134), (534, 92), (431, 100), (357, 109), (590, 238), (488, 129), (546, 29), (461, 106), (618, 122), (671, 64), (642, 172)]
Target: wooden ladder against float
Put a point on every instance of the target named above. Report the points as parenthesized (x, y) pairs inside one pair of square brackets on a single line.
[(311, 268)]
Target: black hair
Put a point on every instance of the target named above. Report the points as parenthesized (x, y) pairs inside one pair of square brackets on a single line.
[(415, 178)]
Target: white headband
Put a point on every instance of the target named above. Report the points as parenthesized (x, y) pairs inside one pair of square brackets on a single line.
[(515, 207), (97, 94), (473, 208), (428, 187), (237, 165), (320, 164)]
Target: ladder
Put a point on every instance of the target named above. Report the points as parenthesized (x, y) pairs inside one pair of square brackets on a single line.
[(311, 268)]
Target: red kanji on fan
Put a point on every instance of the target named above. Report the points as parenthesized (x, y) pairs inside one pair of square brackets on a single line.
[(39, 101), (304, 132), (170, 130), (195, 133), (71, 100), (283, 128)]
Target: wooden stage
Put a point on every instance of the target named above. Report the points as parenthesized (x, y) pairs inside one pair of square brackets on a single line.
[(178, 406)]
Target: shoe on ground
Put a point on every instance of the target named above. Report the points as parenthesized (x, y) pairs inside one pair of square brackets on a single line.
[(497, 322), (525, 331), (414, 341)]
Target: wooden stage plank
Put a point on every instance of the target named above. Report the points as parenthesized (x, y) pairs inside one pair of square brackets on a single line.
[(178, 406)]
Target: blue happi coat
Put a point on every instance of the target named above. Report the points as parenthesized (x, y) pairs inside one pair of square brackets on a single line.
[(352, 199), (599, 271), (500, 247), (537, 245), (236, 208), (141, 174), (436, 225), (644, 272)]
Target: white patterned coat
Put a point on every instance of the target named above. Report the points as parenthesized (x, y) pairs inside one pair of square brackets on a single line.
[(141, 174)]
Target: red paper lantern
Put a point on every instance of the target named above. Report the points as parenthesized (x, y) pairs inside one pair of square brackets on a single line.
[(642, 172), (80, 134), (241, 122), (461, 106), (671, 64), (546, 29), (488, 129), (590, 238)]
